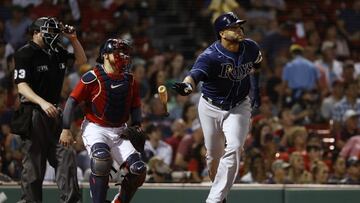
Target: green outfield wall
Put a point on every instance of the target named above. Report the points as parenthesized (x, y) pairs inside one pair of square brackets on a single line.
[(196, 193)]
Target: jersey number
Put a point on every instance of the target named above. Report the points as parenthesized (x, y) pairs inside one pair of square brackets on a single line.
[(19, 73)]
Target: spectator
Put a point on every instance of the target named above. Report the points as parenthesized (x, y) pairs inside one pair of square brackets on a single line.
[(16, 28), (45, 8), (178, 129), (186, 147), (330, 68), (314, 152), (349, 128), (155, 115), (75, 76), (259, 16), (297, 139), (305, 108), (138, 70), (350, 101), (348, 24), (333, 35), (6, 50), (287, 119), (314, 40), (277, 44), (156, 79), (265, 141), (348, 74), (176, 69), (197, 164), (159, 172), (297, 172), (266, 113), (219, 7), (339, 169), (189, 115), (328, 103), (352, 171), (279, 170), (320, 172), (154, 146), (351, 148), (300, 74), (178, 107), (254, 167)]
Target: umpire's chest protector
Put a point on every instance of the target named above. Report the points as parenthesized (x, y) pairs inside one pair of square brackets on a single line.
[(113, 99)]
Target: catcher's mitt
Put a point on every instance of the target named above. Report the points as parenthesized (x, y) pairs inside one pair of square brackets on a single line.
[(136, 136)]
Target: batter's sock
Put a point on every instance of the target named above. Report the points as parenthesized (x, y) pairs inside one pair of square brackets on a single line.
[(98, 188)]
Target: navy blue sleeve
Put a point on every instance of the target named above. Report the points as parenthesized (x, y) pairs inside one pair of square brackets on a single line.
[(255, 52), (67, 114), (257, 58), (200, 70)]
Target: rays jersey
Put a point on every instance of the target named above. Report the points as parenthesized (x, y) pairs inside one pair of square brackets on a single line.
[(225, 74), (108, 98)]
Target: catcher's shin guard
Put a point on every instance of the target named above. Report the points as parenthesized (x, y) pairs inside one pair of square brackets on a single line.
[(101, 162), (133, 179)]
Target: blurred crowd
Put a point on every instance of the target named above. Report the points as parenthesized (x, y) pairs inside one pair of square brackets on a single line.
[(307, 129)]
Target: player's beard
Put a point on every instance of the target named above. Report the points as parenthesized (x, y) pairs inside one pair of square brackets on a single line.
[(234, 38)]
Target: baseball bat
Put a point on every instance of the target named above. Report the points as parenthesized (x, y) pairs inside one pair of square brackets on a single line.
[(163, 97)]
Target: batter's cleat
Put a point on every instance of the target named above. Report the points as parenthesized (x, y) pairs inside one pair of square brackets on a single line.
[(224, 201)]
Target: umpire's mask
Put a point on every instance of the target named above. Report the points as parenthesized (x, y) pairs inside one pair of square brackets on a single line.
[(51, 32)]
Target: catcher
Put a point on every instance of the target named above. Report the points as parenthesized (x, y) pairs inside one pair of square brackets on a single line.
[(110, 96)]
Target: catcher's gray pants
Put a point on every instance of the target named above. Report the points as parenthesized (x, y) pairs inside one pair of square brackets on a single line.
[(43, 144)]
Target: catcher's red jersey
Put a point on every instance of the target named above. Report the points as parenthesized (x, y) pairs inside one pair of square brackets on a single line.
[(108, 98)]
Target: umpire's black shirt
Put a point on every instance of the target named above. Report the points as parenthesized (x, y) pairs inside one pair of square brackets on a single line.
[(42, 69)]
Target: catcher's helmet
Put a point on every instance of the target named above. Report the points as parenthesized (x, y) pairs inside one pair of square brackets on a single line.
[(51, 29), (111, 45), (226, 20), (121, 50)]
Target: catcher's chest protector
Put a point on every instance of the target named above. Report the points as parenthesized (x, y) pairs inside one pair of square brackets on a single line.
[(112, 103)]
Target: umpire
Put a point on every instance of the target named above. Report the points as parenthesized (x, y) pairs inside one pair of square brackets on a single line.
[(39, 73)]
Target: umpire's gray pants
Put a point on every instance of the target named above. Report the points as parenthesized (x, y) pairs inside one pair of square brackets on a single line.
[(41, 145)]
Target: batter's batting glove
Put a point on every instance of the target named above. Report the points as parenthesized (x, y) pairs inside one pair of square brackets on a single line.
[(255, 99), (183, 88)]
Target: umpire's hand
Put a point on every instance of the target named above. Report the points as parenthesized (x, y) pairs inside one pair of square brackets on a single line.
[(182, 88), (49, 109), (66, 138)]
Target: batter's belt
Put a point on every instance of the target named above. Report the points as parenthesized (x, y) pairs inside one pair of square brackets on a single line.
[(224, 107)]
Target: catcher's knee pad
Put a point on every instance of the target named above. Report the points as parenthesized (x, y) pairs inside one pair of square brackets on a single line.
[(135, 165), (101, 160)]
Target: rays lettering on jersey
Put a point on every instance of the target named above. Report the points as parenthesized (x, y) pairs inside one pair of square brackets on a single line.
[(235, 73)]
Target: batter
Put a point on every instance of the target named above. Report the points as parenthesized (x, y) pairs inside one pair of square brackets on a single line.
[(229, 70)]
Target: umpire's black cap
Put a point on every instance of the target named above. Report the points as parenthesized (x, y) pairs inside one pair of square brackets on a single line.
[(35, 26)]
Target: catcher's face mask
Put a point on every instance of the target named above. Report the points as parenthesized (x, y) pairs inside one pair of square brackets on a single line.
[(50, 33), (121, 53)]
